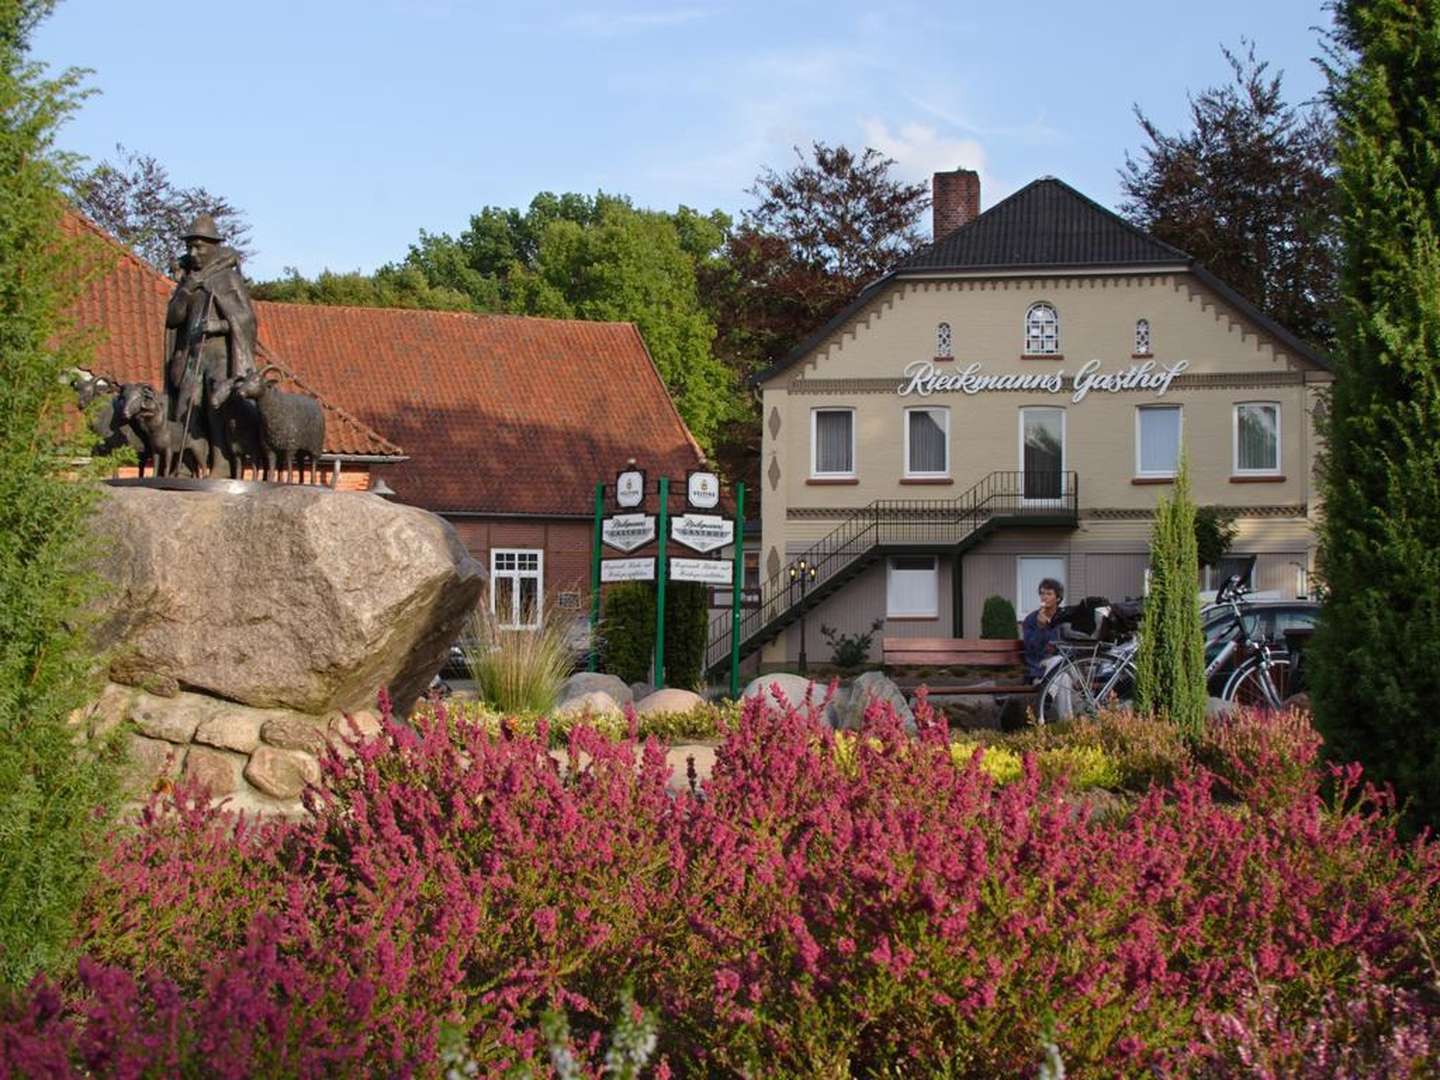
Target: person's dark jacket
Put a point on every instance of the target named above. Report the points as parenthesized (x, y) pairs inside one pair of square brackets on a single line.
[(1037, 641)]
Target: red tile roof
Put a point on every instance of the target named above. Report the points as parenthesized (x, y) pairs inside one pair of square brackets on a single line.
[(124, 299), (500, 414)]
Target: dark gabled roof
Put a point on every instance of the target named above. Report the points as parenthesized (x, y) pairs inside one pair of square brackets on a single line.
[(1045, 226), (1046, 223)]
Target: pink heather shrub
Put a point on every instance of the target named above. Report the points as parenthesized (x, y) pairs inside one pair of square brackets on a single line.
[(808, 913)]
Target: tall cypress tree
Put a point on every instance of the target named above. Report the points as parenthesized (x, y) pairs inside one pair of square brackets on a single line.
[(1170, 675), (1376, 659), (50, 790)]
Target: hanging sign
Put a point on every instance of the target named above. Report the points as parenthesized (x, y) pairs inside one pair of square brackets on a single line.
[(626, 532), (630, 488), (702, 490), (702, 532), (924, 378), (710, 571), (627, 570)]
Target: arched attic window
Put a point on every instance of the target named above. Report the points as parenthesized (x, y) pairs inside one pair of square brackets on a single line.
[(1042, 330)]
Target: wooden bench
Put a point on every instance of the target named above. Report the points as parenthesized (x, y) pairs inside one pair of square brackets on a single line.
[(946, 653)]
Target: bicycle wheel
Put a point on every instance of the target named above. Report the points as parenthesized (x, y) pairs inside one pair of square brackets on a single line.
[(1254, 686)]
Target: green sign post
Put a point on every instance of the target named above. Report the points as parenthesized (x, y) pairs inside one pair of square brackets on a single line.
[(595, 578), (662, 569)]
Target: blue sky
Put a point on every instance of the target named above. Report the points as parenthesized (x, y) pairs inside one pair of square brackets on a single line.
[(343, 129)]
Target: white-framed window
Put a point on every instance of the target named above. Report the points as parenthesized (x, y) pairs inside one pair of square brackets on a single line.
[(832, 443), (517, 578), (1257, 438), (944, 345), (1157, 440), (1142, 337), (1042, 452), (1030, 570), (1042, 330), (912, 587), (927, 442)]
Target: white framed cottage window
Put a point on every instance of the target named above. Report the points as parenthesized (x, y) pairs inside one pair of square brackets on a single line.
[(1142, 337), (944, 344), (912, 587), (927, 442), (1042, 330), (517, 578), (1157, 440), (1257, 438), (832, 443), (1042, 453)]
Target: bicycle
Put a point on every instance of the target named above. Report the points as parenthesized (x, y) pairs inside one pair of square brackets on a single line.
[(1261, 679), (1091, 671)]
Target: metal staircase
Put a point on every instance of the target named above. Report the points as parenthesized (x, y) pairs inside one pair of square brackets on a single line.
[(888, 526)]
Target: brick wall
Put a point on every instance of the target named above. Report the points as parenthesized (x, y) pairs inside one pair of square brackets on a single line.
[(566, 545)]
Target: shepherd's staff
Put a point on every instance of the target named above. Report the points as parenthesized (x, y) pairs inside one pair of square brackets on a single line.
[(196, 335)]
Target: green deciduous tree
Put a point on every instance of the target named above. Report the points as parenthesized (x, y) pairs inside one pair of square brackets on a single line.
[(390, 286), (1376, 659), (1248, 191), (52, 794), (1170, 675)]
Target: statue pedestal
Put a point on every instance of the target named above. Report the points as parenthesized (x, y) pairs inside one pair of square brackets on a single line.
[(243, 620)]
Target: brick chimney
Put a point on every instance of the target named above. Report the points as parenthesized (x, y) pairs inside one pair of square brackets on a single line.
[(956, 200)]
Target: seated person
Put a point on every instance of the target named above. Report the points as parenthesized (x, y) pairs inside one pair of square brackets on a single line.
[(1040, 629)]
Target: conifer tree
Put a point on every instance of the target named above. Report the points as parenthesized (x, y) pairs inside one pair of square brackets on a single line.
[(1170, 680), (50, 790), (1375, 664)]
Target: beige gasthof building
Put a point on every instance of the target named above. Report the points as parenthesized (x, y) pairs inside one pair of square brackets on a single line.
[(1006, 405)]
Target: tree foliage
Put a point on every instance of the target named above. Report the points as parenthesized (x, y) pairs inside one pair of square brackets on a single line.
[(1170, 665), (134, 199), (817, 234), (1376, 666), (52, 796), (1249, 191), (1215, 531), (687, 630), (627, 631), (390, 286)]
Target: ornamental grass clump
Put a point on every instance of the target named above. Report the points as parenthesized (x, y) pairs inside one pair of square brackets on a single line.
[(518, 669)]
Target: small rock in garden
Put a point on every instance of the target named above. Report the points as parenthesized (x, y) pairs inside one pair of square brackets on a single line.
[(640, 690), (109, 710), (234, 729), (217, 770), (142, 672), (294, 733), (669, 700), (281, 774), (149, 760), (172, 719), (585, 682), (597, 703), (794, 688), (866, 690)]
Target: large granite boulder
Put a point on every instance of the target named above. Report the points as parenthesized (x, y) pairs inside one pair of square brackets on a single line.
[(284, 597), (868, 689)]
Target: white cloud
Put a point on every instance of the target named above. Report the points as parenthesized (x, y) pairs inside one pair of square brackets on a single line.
[(920, 151)]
